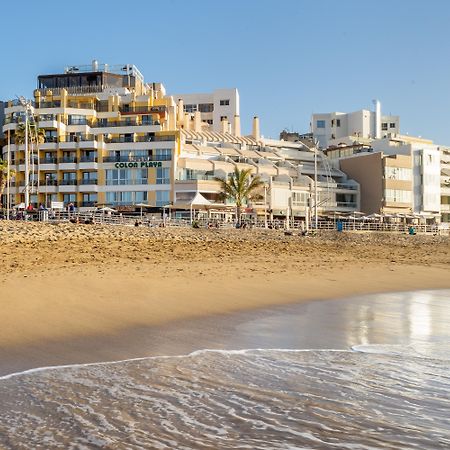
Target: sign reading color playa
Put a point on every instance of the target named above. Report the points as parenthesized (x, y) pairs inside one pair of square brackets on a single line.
[(136, 165)]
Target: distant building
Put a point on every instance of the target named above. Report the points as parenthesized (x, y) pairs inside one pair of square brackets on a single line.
[(217, 110), (397, 174), (445, 184), (331, 129), (113, 139)]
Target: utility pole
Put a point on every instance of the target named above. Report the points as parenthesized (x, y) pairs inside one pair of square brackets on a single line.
[(316, 222)]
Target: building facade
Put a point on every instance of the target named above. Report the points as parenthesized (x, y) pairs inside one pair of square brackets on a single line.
[(445, 184), (216, 110), (331, 129), (111, 139)]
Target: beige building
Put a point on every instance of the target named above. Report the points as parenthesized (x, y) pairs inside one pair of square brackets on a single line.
[(385, 181), (445, 184)]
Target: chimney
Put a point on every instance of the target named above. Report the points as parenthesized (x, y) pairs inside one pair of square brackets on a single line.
[(255, 132), (377, 131), (197, 122), (237, 125), (180, 113), (224, 125), (187, 121), (94, 65)]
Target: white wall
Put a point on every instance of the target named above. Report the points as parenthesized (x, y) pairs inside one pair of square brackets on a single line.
[(215, 97)]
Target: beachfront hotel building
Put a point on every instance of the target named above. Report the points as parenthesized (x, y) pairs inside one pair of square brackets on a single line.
[(112, 139)]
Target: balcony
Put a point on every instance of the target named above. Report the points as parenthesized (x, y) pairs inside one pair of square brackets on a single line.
[(67, 159), (68, 182), (77, 105), (42, 105), (48, 161), (109, 159), (142, 109), (90, 204), (88, 159), (89, 181), (49, 182)]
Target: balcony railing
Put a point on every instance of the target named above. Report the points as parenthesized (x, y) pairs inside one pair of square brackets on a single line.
[(80, 105), (89, 204), (137, 158), (118, 123), (48, 161), (346, 186), (124, 182), (92, 159), (89, 181), (142, 109), (49, 182), (54, 104), (78, 138), (68, 182), (68, 159)]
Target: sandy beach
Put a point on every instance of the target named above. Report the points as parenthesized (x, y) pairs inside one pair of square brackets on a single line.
[(85, 284)]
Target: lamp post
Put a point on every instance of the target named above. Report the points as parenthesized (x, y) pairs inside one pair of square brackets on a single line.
[(47, 176), (265, 205)]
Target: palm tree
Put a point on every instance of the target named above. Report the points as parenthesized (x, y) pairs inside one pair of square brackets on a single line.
[(240, 187), (35, 135), (5, 174)]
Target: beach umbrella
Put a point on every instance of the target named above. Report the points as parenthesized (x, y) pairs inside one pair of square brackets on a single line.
[(143, 205)]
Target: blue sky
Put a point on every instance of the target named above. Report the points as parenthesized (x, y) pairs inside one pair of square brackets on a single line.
[(287, 58)]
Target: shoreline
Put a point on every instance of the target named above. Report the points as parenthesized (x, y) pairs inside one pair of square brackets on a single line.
[(69, 292)]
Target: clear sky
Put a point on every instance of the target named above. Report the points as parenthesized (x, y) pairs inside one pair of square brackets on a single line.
[(288, 58)]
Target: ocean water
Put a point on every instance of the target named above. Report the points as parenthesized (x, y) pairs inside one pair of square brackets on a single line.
[(368, 396)]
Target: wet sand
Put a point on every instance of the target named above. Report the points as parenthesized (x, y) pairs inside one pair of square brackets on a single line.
[(73, 294)]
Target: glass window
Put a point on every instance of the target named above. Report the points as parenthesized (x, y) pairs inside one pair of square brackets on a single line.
[(190, 108), (163, 175), (163, 154), (141, 176), (398, 173), (118, 177), (225, 102), (392, 125), (320, 124), (338, 122), (384, 126), (162, 198), (398, 195), (141, 197), (206, 107)]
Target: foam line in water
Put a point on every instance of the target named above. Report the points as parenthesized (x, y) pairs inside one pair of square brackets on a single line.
[(145, 358)]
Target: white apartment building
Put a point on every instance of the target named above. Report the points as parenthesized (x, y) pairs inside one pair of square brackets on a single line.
[(445, 184), (217, 109), (336, 128)]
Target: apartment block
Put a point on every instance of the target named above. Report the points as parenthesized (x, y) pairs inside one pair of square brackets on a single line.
[(215, 111), (445, 184), (337, 128)]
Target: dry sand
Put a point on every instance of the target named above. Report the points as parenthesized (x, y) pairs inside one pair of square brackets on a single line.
[(72, 281)]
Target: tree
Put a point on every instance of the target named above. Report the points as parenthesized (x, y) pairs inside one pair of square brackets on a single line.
[(240, 187), (35, 135), (5, 174)]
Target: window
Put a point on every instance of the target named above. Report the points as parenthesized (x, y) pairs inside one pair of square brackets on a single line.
[(206, 107), (163, 154), (384, 126), (398, 195), (116, 177), (140, 197), (141, 176), (320, 124), (392, 125), (162, 198), (225, 102), (69, 198), (223, 118), (190, 108), (147, 120), (162, 175), (398, 173), (299, 198), (338, 122)]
